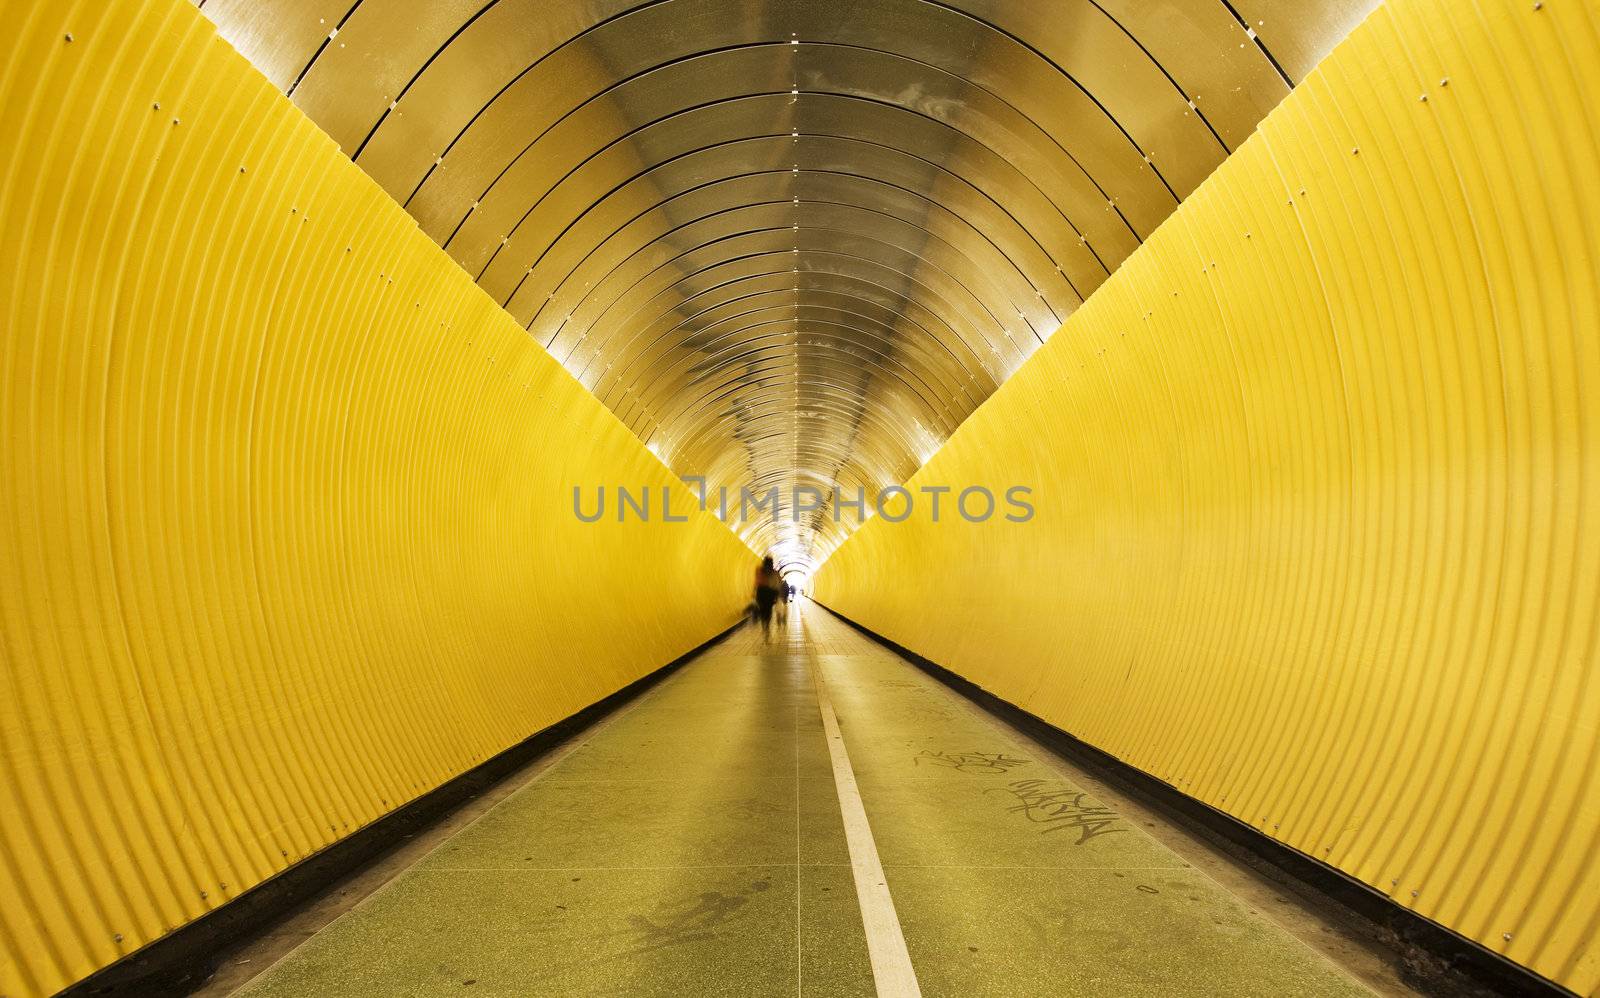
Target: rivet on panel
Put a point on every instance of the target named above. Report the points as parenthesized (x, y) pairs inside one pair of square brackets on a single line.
[(1355, 150), (175, 121), (241, 169), (1422, 98), (204, 895), (1444, 81), (1506, 935), (1414, 893), (117, 938), (67, 36), (155, 105)]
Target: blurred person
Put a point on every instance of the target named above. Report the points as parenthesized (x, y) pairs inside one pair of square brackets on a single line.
[(768, 582), (781, 608)]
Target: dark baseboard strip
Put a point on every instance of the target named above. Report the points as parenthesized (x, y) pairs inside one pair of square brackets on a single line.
[(184, 959), (1454, 959)]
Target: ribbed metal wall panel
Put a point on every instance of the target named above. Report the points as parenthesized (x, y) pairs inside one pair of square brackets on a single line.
[(1318, 486), (285, 500)]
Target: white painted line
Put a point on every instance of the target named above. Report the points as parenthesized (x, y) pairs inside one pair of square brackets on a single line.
[(886, 944), (799, 873)]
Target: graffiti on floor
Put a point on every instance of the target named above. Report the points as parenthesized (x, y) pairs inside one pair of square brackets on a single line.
[(687, 921), (672, 921), (1060, 808), (969, 762)]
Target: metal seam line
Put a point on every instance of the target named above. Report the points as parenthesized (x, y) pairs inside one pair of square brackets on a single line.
[(886, 944)]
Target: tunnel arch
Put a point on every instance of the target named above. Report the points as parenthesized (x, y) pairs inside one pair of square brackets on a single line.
[(287, 538), (529, 140)]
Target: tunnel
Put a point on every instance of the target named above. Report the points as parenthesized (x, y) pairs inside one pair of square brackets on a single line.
[(777, 497)]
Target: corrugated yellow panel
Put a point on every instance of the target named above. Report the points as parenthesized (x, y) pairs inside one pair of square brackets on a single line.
[(1318, 486), (286, 535)]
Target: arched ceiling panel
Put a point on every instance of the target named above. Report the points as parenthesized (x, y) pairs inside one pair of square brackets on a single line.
[(788, 243), (987, 237)]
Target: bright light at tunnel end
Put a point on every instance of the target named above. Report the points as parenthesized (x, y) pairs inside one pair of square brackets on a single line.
[(803, 504)]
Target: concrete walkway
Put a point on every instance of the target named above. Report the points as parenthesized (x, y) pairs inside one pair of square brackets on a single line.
[(693, 844)]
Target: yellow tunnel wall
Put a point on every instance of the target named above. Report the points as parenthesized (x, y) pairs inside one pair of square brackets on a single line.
[(1317, 481), (286, 528)]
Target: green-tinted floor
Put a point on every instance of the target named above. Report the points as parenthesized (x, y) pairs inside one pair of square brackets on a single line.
[(693, 845)]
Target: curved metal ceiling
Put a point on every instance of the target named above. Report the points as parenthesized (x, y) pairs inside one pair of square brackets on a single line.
[(788, 242)]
